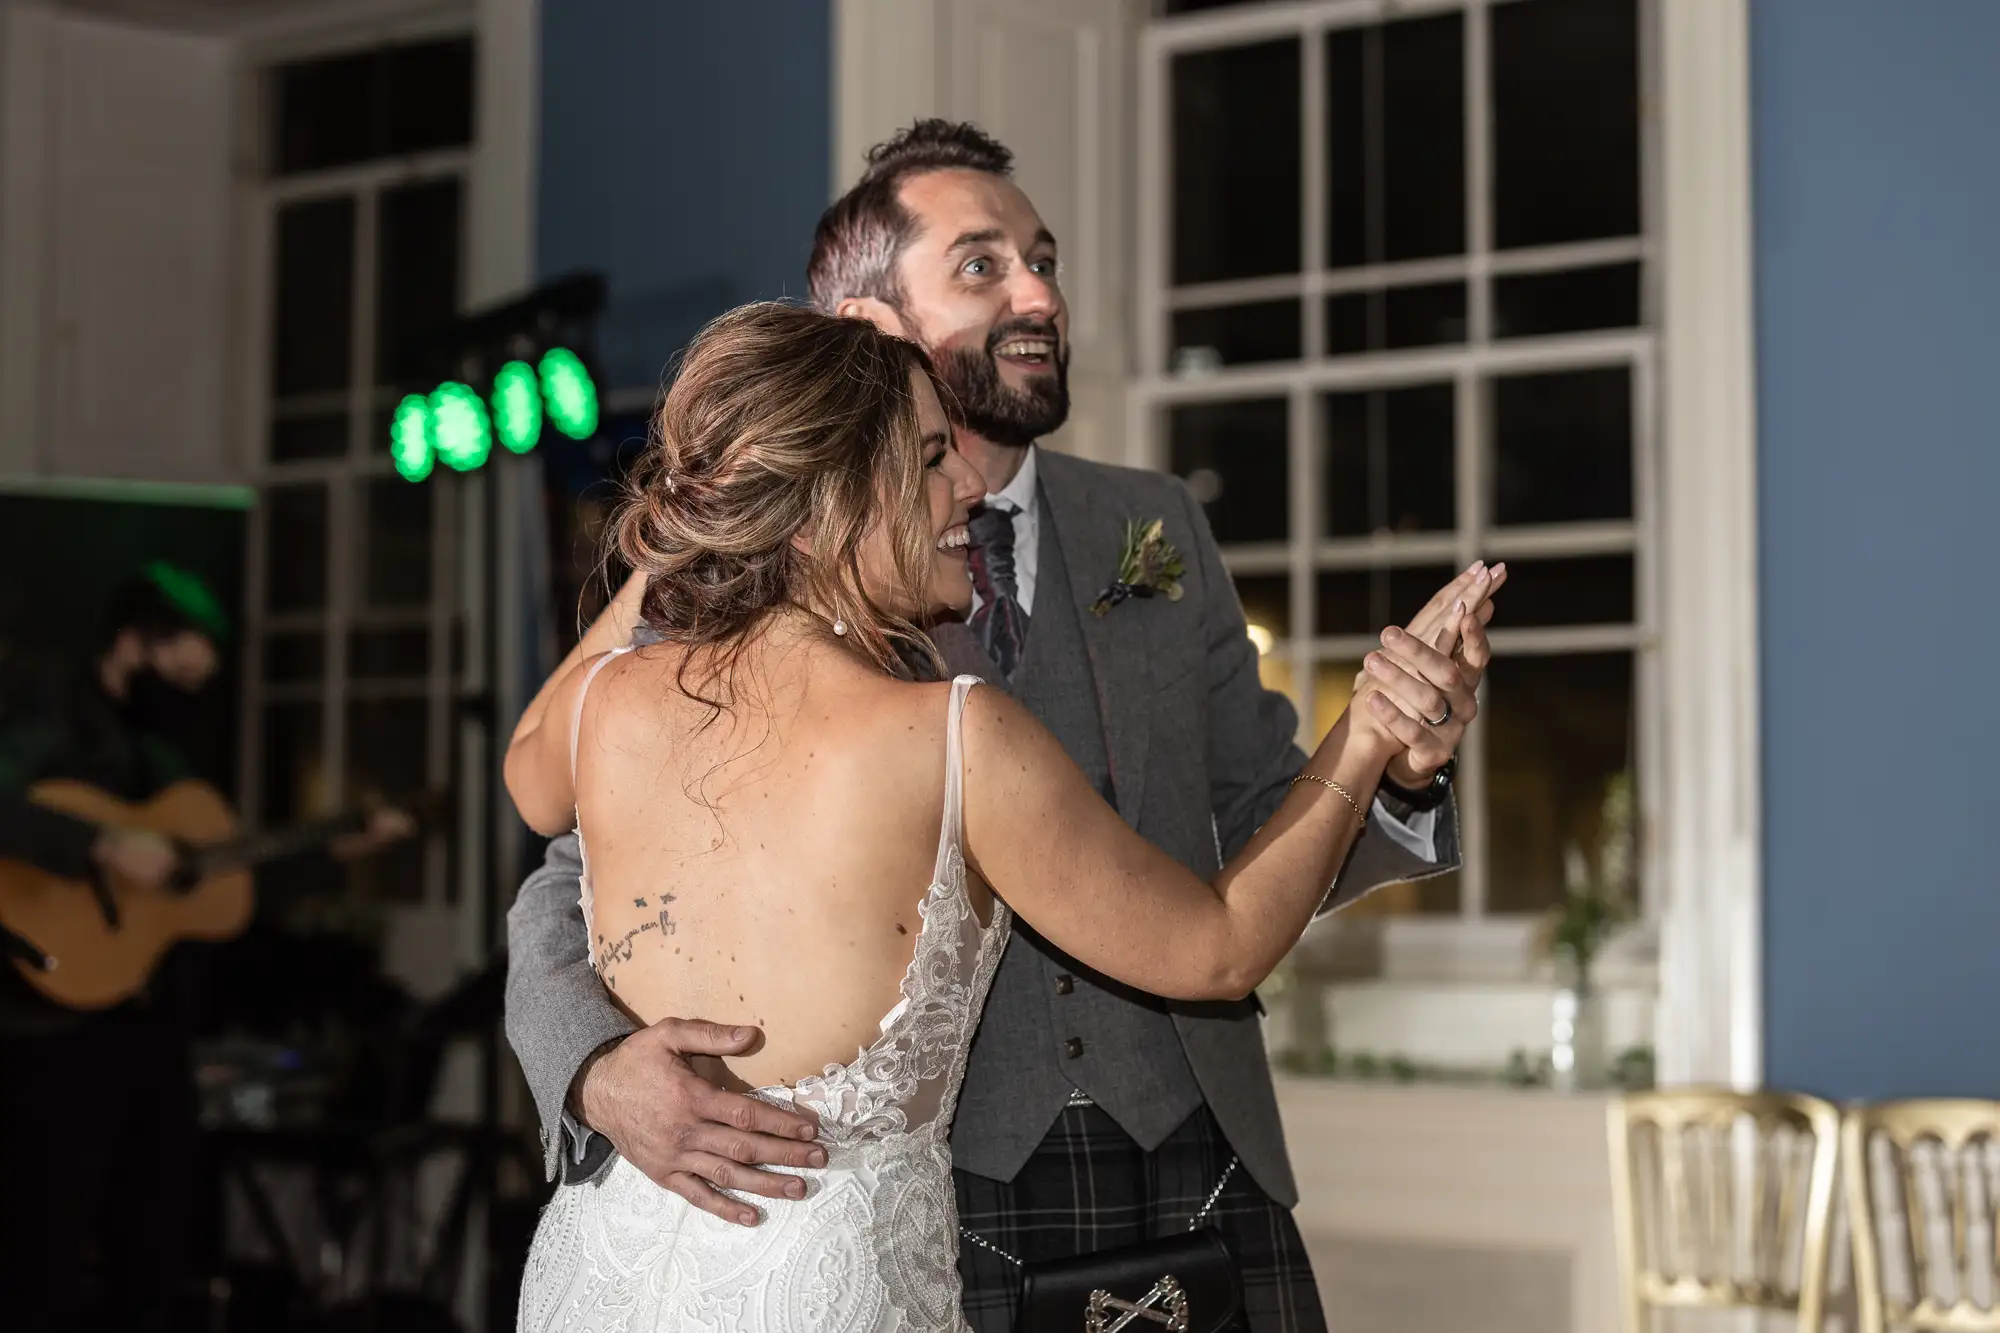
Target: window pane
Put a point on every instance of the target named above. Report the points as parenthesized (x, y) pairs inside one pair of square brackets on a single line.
[(397, 548), (1559, 767), (312, 314), (291, 658), (1234, 335), (1529, 305), (325, 112), (387, 759), (1233, 455), (1426, 316), (417, 280), (1562, 446), (1592, 590), (1565, 121), (373, 654), (1368, 601), (430, 95), (1267, 605), (295, 548), (321, 435), (1236, 162), (1395, 109), (291, 783), (1389, 460), (339, 110)]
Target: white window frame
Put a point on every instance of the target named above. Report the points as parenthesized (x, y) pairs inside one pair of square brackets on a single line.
[(1693, 527), (262, 197)]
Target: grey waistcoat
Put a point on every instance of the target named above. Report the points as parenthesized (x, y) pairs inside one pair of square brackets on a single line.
[(1021, 1069)]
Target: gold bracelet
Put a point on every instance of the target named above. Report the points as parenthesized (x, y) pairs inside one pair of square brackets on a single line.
[(1345, 794)]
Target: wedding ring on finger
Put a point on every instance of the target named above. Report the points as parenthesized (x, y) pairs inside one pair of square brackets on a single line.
[(1441, 718)]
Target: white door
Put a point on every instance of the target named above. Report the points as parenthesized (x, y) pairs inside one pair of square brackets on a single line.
[(115, 251)]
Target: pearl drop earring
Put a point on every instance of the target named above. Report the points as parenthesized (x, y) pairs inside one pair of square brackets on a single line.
[(840, 626)]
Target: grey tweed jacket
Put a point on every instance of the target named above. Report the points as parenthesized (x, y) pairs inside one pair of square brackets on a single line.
[(1160, 704)]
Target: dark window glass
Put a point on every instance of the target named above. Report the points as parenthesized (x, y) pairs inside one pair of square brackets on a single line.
[(293, 658), (375, 654), (388, 758), (1234, 335), (1586, 590), (1389, 460), (1395, 106), (1233, 456), (1565, 121), (291, 783), (397, 548), (295, 547), (1559, 774), (1531, 305), (1368, 601), (339, 110), (417, 279), (313, 310), (430, 96), (1267, 601), (1562, 446), (1236, 162), (1426, 316), (321, 435)]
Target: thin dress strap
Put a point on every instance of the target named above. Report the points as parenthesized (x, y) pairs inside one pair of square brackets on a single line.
[(576, 721), (953, 833)]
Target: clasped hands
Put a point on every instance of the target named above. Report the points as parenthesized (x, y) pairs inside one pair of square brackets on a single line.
[(1422, 684)]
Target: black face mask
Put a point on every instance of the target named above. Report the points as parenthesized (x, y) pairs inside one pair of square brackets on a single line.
[(156, 706), (984, 405)]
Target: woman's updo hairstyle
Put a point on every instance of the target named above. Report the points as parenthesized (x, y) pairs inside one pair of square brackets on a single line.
[(782, 421)]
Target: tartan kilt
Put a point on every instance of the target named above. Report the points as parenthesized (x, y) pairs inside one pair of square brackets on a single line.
[(1089, 1187)]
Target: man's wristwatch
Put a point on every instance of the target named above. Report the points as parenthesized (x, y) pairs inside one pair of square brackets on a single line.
[(1430, 796)]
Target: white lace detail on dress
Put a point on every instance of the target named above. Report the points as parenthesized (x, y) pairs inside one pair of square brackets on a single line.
[(873, 1247)]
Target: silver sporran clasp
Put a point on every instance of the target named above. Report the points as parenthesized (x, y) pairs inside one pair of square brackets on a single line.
[(1165, 1304)]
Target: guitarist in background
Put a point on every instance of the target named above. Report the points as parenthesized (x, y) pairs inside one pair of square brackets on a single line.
[(97, 1110)]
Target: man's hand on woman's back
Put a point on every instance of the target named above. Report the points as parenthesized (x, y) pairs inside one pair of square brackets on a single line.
[(685, 1133)]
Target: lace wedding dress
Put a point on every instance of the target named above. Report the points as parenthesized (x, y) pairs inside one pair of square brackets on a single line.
[(873, 1247)]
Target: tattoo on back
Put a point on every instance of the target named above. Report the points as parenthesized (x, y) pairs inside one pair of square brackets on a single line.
[(613, 954)]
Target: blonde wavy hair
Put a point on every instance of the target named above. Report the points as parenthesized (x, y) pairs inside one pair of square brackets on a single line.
[(782, 421)]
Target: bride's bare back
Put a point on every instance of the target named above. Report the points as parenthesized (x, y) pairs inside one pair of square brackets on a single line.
[(762, 866)]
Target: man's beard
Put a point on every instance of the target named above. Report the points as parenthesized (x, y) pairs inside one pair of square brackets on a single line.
[(983, 404)]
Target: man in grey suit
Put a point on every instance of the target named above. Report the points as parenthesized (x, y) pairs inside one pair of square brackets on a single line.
[(1091, 1116)]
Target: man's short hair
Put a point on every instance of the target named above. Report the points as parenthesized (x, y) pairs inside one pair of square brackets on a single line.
[(860, 237)]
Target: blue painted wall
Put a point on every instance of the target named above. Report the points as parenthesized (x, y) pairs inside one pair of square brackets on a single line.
[(1878, 344), (686, 152)]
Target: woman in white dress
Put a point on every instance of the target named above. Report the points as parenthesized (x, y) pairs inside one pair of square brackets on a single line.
[(784, 829)]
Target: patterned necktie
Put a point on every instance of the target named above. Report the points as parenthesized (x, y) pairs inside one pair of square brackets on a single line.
[(1000, 624)]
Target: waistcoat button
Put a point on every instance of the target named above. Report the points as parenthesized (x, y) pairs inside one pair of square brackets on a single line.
[(1065, 984), (1073, 1048)]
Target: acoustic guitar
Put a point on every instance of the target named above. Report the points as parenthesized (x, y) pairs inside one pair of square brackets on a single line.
[(91, 944)]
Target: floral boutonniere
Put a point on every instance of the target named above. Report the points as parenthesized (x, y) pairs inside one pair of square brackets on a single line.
[(1147, 565)]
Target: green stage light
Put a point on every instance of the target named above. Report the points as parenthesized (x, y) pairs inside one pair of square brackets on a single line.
[(568, 394), (517, 406), (459, 429), (410, 438)]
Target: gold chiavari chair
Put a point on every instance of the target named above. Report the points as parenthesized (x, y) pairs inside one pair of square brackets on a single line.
[(1930, 1200), (1723, 1200)]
